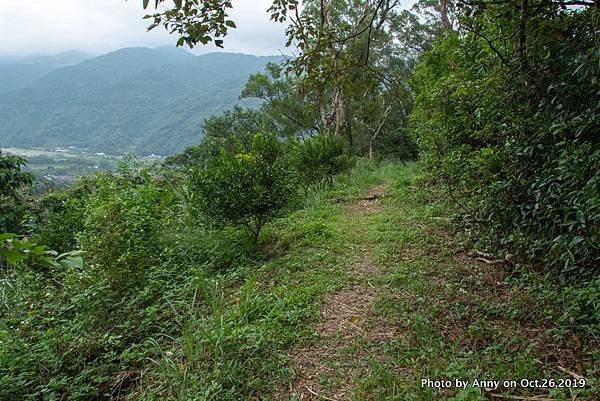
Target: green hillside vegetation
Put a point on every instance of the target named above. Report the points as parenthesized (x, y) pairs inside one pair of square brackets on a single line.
[(20, 72), (417, 200), (134, 100)]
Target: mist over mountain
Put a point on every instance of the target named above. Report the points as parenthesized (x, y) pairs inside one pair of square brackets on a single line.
[(136, 100), (19, 72)]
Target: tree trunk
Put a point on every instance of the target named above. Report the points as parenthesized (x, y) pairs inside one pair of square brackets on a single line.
[(444, 15), (340, 112), (350, 139), (325, 119)]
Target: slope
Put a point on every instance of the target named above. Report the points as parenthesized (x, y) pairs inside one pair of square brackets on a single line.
[(134, 100), (20, 72), (364, 293)]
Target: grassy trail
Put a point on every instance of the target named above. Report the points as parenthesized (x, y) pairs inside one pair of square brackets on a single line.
[(333, 364), (401, 301), (359, 295)]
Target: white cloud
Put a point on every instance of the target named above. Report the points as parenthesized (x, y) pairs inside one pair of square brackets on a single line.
[(99, 26)]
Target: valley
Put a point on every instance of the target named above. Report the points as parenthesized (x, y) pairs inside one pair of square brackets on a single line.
[(58, 167)]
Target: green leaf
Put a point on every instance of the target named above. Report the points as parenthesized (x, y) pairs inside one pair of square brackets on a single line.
[(13, 257), (5, 236), (73, 262), (39, 250), (230, 24)]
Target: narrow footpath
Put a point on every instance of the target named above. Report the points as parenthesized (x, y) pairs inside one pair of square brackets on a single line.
[(417, 305)]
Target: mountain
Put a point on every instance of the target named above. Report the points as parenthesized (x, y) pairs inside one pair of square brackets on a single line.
[(19, 72), (133, 100)]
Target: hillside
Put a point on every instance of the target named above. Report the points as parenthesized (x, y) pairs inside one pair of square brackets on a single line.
[(20, 72), (361, 293), (134, 100), (408, 211)]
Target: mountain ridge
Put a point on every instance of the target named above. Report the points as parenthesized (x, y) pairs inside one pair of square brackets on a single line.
[(133, 100), (20, 72)]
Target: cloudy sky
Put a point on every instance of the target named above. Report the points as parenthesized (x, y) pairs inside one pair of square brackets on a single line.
[(98, 26)]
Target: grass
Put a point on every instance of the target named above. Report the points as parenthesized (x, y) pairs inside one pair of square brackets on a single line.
[(362, 301)]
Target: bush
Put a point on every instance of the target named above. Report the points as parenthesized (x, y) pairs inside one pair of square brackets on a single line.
[(246, 188), (516, 143), (321, 157), (79, 332), (396, 145), (60, 215), (12, 179), (122, 225)]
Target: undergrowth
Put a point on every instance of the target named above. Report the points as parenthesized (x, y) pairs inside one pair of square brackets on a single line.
[(211, 318)]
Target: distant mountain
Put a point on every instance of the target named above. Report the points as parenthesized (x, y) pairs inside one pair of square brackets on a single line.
[(19, 72), (134, 100)]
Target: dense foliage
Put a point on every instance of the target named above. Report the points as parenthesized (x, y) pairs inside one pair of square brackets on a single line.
[(65, 326), (512, 129), (320, 158), (82, 330), (246, 188), (138, 284), (12, 178)]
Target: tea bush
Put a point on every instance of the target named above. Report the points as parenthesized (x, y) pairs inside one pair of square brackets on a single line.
[(321, 157), (248, 188)]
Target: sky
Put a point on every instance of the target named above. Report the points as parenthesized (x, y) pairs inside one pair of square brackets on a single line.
[(29, 27)]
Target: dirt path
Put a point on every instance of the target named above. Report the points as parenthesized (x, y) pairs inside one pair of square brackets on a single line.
[(328, 368), (412, 304)]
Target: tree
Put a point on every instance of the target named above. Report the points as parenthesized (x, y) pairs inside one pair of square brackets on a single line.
[(381, 103), (507, 116), (293, 114), (239, 124), (232, 131), (320, 158), (12, 180), (343, 47), (335, 39), (247, 188)]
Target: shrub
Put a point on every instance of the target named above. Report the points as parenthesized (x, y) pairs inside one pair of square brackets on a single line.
[(321, 157), (12, 179), (246, 188), (61, 215), (516, 142), (122, 225), (78, 332)]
